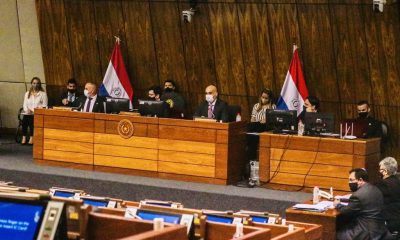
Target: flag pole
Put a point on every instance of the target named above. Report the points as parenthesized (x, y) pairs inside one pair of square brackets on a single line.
[(294, 47), (117, 39)]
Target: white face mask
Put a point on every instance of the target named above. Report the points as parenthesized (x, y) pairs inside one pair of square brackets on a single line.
[(209, 98), (86, 93)]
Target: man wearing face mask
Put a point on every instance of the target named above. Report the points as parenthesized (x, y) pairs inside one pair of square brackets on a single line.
[(154, 93), (213, 107), (311, 104), (71, 98), (174, 99), (363, 211), (390, 188), (373, 127), (92, 102)]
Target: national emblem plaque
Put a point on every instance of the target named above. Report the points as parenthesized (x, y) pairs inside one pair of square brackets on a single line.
[(125, 128)]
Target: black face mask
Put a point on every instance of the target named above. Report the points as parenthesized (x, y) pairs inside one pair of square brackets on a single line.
[(71, 91), (152, 98), (363, 114), (168, 89), (353, 186)]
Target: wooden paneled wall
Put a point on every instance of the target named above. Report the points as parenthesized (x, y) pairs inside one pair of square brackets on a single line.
[(348, 52)]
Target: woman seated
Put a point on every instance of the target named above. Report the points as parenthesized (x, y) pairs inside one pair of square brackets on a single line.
[(265, 102), (36, 97)]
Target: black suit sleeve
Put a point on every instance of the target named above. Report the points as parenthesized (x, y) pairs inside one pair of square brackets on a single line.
[(351, 209), (224, 113)]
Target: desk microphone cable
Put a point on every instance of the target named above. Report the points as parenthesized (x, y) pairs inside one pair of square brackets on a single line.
[(312, 165)]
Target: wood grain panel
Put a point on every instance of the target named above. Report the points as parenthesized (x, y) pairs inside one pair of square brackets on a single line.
[(186, 146), (130, 152), (168, 43), (185, 157), (73, 136), (227, 49), (121, 162), (139, 142), (81, 158), (68, 146), (54, 41), (221, 161), (186, 169), (264, 165), (198, 49), (38, 120), (38, 143), (315, 25), (142, 67), (187, 134), (304, 168), (255, 40), (109, 23), (309, 157), (66, 123), (82, 41), (310, 181)]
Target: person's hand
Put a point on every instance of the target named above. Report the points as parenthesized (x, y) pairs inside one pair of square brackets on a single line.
[(65, 101), (29, 111), (336, 202)]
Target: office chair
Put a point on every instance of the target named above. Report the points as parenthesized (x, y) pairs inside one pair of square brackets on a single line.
[(233, 110), (18, 132)]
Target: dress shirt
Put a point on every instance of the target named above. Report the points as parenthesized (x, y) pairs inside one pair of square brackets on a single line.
[(39, 100), (92, 102)]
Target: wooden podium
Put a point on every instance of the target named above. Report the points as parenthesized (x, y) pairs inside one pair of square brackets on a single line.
[(315, 161), (168, 148)]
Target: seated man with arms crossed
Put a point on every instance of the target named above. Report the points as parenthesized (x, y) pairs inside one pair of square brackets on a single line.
[(363, 211), (213, 107)]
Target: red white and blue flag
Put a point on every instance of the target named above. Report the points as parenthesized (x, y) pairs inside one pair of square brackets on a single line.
[(294, 91), (116, 82)]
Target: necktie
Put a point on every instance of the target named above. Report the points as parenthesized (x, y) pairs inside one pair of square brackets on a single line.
[(88, 105), (210, 112), (69, 97)]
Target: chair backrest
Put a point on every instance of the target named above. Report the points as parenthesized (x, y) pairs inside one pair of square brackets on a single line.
[(385, 132), (20, 114), (233, 110)]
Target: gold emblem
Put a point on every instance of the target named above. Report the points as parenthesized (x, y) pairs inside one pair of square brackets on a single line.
[(125, 128)]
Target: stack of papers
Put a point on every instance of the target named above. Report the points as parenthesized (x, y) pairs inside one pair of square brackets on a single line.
[(319, 207)]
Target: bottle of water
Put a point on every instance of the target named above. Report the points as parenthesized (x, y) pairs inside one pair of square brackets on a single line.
[(315, 195), (254, 172), (238, 117), (239, 231)]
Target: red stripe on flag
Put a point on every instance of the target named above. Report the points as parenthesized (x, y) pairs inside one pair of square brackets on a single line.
[(297, 75), (119, 66)]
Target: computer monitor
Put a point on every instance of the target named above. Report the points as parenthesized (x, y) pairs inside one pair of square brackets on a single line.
[(150, 215), (116, 105), (219, 219), (153, 108), (316, 123), (63, 194), (31, 216), (281, 120)]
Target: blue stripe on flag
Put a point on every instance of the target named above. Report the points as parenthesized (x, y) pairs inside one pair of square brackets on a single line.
[(281, 105), (103, 91)]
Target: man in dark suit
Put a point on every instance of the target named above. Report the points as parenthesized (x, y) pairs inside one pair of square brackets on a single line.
[(71, 98), (213, 107), (92, 102), (373, 126), (363, 213)]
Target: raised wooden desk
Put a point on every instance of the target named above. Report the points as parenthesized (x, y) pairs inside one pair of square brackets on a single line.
[(315, 161), (327, 219), (167, 148)]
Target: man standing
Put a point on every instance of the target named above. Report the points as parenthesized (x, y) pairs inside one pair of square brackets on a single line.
[(71, 97), (373, 126), (363, 211), (213, 107), (92, 102), (174, 99)]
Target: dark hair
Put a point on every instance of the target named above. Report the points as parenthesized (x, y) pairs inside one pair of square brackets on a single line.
[(156, 90), (314, 101), (360, 173), (270, 96), (71, 81), (40, 86), (362, 102), (170, 81)]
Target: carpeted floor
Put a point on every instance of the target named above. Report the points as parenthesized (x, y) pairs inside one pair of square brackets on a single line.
[(16, 165)]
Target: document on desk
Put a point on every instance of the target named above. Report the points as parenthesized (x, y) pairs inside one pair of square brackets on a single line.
[(319, 207)]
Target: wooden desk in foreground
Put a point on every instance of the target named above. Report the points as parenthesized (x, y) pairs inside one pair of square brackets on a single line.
[(327, 219), (315, 161), (156, 147)]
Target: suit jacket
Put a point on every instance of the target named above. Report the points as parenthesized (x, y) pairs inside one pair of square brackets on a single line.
[(220, 110), (364, 215), (390, 188), (75, 103), (98, 106)]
